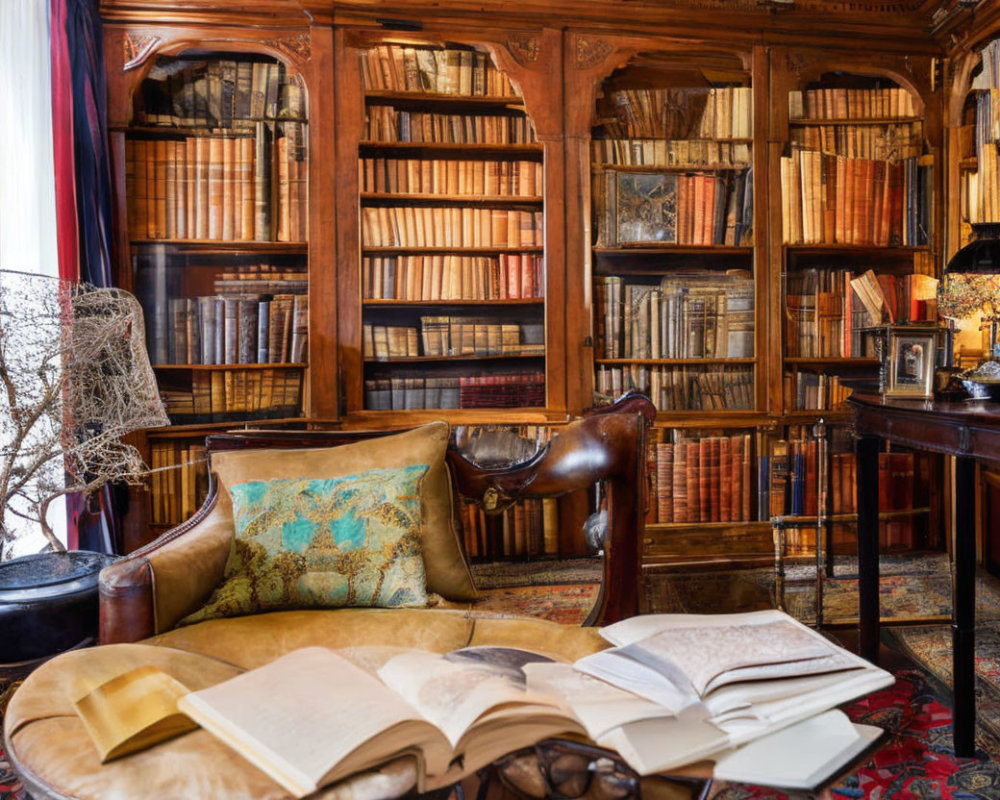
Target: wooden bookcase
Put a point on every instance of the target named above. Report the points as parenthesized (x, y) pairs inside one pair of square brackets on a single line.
[(410, 184), (212, 148), (452, 251), (448, 302)]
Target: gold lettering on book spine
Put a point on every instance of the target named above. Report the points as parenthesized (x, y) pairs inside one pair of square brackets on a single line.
[(137, 48)]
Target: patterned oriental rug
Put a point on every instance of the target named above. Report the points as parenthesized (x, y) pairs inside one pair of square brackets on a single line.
[(913, 761)]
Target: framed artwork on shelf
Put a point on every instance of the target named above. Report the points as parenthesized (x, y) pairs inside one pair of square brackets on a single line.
[(911, 364), (642, 208)]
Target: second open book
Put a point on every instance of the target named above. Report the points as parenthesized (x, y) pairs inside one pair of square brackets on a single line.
[(677, 689)]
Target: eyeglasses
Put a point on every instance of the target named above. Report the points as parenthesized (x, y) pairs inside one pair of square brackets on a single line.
[(559, 769)]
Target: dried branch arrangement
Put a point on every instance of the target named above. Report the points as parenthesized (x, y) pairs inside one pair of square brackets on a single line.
[(74, 379)]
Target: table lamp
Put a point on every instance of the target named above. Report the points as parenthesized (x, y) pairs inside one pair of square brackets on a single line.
[(971, 282)]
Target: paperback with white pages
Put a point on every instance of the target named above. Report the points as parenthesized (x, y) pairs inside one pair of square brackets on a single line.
[(723, 680)]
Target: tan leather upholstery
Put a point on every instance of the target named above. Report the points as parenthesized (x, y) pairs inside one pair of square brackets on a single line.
[(54, 754)]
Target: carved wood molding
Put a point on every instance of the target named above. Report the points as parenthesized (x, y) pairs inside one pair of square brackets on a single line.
[(137, 47), (524, 49), (591, 51), (298, 46)]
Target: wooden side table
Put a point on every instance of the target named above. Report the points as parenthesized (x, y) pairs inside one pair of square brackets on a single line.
[(967, 430)]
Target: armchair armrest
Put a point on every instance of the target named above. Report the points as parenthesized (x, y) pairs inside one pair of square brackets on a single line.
[(607, 447), (148, 591)]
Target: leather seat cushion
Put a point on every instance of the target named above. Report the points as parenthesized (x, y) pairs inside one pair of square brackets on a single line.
[(53, 752)]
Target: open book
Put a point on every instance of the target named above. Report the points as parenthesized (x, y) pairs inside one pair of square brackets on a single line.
[(747, 691), (726, 680), (314, 716)]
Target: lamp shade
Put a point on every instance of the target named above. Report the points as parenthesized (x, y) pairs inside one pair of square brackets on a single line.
[(981, 256)]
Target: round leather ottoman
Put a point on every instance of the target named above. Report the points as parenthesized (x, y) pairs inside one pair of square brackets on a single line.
[(54, 756)]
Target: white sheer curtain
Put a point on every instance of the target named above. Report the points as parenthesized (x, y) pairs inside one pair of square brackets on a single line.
[(27, 183)]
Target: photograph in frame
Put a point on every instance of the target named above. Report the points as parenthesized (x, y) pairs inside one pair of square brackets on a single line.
[(911, 365)]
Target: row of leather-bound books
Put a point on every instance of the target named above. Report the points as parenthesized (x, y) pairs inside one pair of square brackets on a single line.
[(724, 112), (851, 103), (814, 391), (217, 187), (703, 479), (696, 316), (651, 152), (713, 387), (888, 142), (408, 226), (453, 336), (505, 276), (244, 329), (403, 68), (222, 94), (832, 199), (496, 390), (178, 480), (827, 309), (390, 124), (743, 476), (981, 186), (528, 529), (228, 395), (494, 178)]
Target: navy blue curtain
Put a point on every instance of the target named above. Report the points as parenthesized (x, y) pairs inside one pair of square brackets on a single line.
[(78, 52), (95, 223)]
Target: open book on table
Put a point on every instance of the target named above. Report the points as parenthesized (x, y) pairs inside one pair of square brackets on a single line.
[(736, 689)]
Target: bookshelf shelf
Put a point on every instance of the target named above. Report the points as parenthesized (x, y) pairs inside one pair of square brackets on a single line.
[(526, 415), (184, 431), (230, 247), (473, 251), (679, 249), (675, 361), (842, 361), (669, 527), (229, 367), (671, 168), (465, 152), (856, 250), (453, 102), (475, 357), (458, 302), (854, 121), (414, 198)]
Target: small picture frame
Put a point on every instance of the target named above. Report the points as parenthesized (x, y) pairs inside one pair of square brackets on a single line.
[(911, 365)]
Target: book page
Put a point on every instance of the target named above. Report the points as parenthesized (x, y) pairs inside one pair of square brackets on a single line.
[(453, 691), (639, 627), (311, 717), (598, 705), (672, 691), (705, 657), (800, 756)]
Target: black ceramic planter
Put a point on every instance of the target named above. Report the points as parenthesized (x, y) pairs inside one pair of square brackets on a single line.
[(48, 603)]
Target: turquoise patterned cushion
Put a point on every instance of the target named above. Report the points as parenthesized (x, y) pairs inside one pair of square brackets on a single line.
[(308, 543)]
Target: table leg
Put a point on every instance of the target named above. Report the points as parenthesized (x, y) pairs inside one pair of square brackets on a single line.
[(963, 626), (866, 450)]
